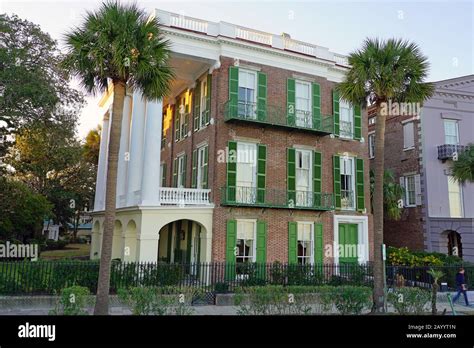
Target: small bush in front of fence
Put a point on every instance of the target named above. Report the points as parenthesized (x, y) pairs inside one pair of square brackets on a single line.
[(409, 300), (73, 301), (351, 299), (302, 300), (166, 300)]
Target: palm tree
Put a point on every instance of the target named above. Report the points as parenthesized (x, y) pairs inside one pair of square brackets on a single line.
[(463, 167), (383, 71), (436, 275), (392, 193), (119, 45)]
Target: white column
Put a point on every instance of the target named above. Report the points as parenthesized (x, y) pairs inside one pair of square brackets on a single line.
[(124, 155), (152, 152), (135, 164), (99, 200)]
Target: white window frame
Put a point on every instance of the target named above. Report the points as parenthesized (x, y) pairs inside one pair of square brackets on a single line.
[(304, 198), (162, 165), (250, 106), (460, 195), (200, 168), (311, 240), (342, 161), (407, 194), (371, 142), (246, 194), (254, 244), (346, 105), (408, 143), (203, 102), (456, 127), (372, 120), (181, 171), (182, 118), (304, 117)]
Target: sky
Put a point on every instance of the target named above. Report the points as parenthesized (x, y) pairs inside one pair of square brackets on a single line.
[(444, 29)]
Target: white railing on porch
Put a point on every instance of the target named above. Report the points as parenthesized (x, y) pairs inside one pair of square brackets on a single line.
[(253, 35), (184, 196), (188, 23)]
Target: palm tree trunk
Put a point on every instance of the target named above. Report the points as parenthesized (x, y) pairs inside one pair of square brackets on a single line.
[(103, 286), (378, 211)]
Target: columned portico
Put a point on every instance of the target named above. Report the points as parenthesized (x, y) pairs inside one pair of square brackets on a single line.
[(124, 154), (99, 201)]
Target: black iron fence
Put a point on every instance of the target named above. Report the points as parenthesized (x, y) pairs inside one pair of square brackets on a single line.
[(49, 277)]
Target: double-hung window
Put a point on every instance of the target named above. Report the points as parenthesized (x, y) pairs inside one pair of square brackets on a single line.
[(451, 132), (305, 243), (182, 118), (203, 103), (346, 120), (304, 178), (347, 183), (181, 170), (245, 246), (408, 136), (201, 166), (246, 188), (371, 145), (247, 104), (303, 104), (410, 191)]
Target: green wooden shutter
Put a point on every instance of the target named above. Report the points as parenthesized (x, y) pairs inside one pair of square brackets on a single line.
[(184, 170), (231, 172), (233, 91), (291, 101), (317, 175), (316, 106), (176, 123), (163, 176), (261, 257), (360, 184), (262, 96), (335, 110), (197, 105), (291, 176), (261, 172), (318, 244), (292, 242), (175, 172), (337, 181), (207, 114), (231, 242), (194, 169), (205, 168), (357, 122)]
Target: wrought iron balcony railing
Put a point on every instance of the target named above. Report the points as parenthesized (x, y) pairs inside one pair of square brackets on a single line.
[(447, 151), (278, 116), (347, 199), (274, 198)]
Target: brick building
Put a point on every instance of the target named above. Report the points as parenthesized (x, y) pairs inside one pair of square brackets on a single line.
[(438, 213), (256, 158)]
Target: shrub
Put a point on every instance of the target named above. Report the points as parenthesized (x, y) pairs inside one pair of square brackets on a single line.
[(72, 301), (221, 288), (160, 300), (409, 300), (351, 299), (404, 257)]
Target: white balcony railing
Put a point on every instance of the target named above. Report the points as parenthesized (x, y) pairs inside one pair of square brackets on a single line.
[(224, 29), (188, 23), (184, 196), (253, 35)]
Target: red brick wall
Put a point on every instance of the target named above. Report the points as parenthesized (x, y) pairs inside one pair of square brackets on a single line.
[(408, 231), (277, 141)]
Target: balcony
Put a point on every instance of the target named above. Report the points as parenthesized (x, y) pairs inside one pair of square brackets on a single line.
[(174, 196), (273, 198), (347, 200), (447, 151), (277, 116)]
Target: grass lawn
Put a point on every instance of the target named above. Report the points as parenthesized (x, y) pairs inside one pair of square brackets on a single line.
[(71, 250)]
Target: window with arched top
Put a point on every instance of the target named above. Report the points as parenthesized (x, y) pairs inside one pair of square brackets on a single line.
[(454, 244)]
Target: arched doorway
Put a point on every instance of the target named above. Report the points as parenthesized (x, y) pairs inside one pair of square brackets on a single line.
[(180, 242), (454, 244)]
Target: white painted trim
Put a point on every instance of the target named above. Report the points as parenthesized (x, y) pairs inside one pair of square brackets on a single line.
[(363, 234), (254, 248)]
